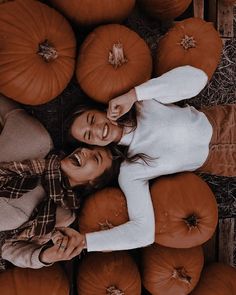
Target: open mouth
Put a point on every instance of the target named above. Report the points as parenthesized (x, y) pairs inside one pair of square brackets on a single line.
[(76, 159), (105, 131)]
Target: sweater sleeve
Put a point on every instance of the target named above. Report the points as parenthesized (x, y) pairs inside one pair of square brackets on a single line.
[(23, 254), (139, 231), (180, 83)]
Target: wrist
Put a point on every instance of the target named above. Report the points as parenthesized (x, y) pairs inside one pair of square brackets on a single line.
[(43, 257)]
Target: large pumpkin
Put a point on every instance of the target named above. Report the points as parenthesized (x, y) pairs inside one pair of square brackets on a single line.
[(21, 281), (112, 273), (190, 42), (185, 210), (171, 271), (217, 279), (37, 52), (91, 12), (103, 210), (112, 60), (164, 10)]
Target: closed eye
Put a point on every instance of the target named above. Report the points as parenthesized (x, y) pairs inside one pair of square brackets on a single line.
[(92, 119)]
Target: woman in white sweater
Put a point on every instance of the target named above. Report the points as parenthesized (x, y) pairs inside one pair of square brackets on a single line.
[(166, 139)]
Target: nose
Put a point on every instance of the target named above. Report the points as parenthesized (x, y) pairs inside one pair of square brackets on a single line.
[(97, 129), (87, 153)]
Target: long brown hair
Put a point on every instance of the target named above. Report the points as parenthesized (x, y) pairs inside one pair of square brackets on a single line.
[(127, 120)]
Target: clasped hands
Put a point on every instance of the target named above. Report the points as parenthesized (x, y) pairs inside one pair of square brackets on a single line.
[(68, 243)]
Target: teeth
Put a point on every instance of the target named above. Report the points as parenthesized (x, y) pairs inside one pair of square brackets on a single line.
[(105, 131), (78, 159)]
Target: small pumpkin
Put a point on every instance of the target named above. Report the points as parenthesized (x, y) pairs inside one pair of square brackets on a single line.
[(37, 52), (21, 281), (185, 208), (171, 271), (103, 210), (217, 279), (192, 42), (165, 10), (93, 12), (112, 273), (112, 60)]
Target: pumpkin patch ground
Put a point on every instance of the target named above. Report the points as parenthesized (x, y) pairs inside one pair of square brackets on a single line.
[(221, 89)]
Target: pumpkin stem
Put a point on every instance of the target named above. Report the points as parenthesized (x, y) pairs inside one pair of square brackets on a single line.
[(180, 274), (116, 56), (191, 221), (47, 51), (188, 42), (106, 225), (113, 290)]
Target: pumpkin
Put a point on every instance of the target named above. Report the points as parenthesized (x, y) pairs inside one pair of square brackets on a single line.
[(21, 281), (91, 12), (112, 273), (37, 52), (171, 271), (185, 210), (164, 10), (103, 210), (112, 60), (190, 42), (217, 279)]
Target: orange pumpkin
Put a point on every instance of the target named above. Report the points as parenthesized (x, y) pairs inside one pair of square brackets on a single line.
[(112, 273), (171, 271), (190, 42), (91, 12), (217, 279), (21, 281), (164, 10), (103, 210), (185, 210), (112, 60), (37, 52)]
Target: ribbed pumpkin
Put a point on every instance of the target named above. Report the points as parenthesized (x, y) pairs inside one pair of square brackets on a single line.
[(112, 273), (37, 52), (185, 210), (103, 210), (171, 271), (111, 61), (217, 279), (190, 42), (91, 12), (21, 281), (164, 10)]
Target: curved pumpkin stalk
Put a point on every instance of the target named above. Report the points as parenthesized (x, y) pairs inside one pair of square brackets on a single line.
[(116, 56), (47, 51), (113, 290)]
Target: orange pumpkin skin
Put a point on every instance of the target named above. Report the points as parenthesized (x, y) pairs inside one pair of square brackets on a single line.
[(171, 271), (21, 281), (185, 208), (91, 12), (37, 52), (108, 273), (164, 10), (217, 279), (201, 47), (112, 60), (103, 210)]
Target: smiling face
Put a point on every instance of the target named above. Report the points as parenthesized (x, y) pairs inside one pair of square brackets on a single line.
[(84, 165), (93, 127)]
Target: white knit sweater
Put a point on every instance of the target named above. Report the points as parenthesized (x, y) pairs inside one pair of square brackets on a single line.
[(176, 138)]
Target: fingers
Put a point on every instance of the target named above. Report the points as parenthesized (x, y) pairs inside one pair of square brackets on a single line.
[(63, 245)]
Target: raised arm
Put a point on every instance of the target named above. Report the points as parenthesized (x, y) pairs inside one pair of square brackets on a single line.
[(139, 231), (178, 84)]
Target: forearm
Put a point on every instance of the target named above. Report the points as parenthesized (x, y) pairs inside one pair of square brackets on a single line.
[(23, 254), (6, 106), (180, 83)]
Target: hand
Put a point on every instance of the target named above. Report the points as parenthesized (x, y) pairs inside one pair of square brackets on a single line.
[(68, 243), (121, 105)]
